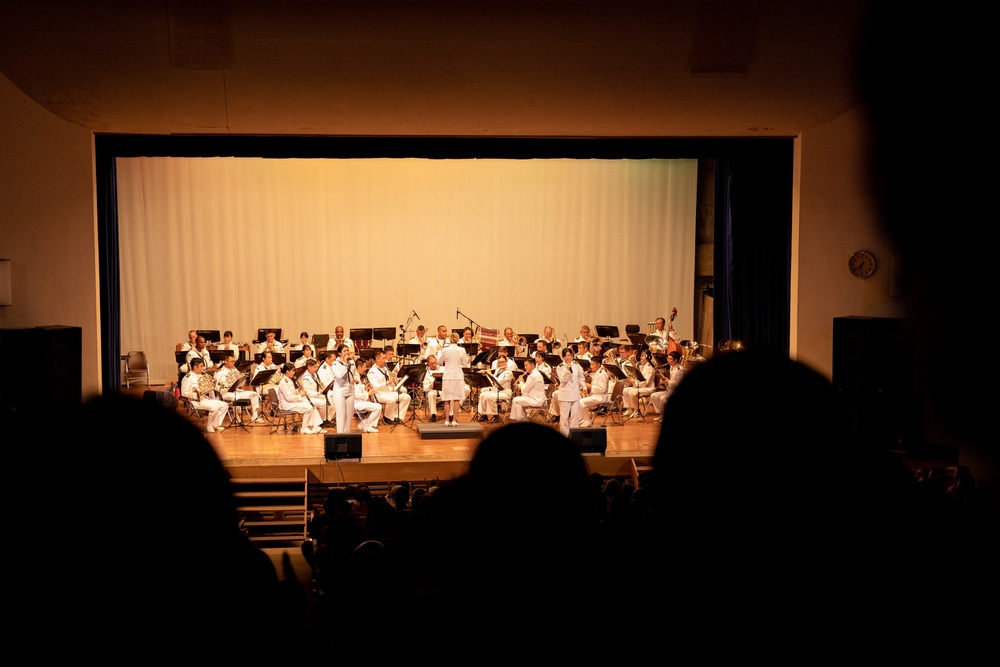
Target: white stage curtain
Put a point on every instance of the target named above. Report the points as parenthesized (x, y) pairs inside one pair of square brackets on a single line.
[(307, 244)]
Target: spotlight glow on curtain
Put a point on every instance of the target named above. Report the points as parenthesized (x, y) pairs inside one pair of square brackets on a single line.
[(307, 244)]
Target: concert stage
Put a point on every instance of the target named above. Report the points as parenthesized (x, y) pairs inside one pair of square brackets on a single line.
[(425, 452)]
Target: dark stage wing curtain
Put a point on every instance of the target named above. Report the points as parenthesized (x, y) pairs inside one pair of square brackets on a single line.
[(753, 249), (107, 248)]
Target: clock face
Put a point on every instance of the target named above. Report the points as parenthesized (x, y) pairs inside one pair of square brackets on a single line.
[(862, 264)]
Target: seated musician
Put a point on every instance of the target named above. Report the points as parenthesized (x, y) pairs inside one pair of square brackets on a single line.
[(200, 351), (268, 366), (338, 339), (326, 378), (291, 399), (630, 395), (583, 350), (509, 340), (192, 338), (307, 354), (675, 372), (368, 411), (597, 392), (505, 359), (303, 341), (421, 340), (584, 335), (199, 388), (549, 336), (224, 379), (270, 344), (468, 338), (663, 329), (532, 392), (390, 357), (435, 345), (596, 346), (227, 344), (540, 346), (395, 402), (311, 386), (541, 365), (489, 396)]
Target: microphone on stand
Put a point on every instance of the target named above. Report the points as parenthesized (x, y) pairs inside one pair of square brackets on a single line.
[(456, 312), (415, 315)]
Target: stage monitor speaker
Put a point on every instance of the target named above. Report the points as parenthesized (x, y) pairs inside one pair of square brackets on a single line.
[(592, 441), (342, 446)]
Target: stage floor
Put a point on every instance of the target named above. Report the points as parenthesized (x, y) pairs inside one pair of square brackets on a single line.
[(403, 453)]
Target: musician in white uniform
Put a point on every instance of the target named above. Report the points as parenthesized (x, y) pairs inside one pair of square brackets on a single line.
[(303, 341), (571, 387), (200, 351), (192, 339), (630, 395), (453, 392), (343, 388), (311, 385), (307, 354), (268, 366), (270, 344), (489, 396), (674, 374), (435, 345), (597, 392), (548, 337), (532, 393), (394, 401), (421, 340), (326, 379), (663, 330), (227, 345), (508, 340), (367, 410), (338, 339), (432, 373), (204, 400), (226, 376), (291, 399)]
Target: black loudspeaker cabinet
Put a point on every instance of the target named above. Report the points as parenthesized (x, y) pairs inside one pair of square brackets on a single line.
[(592, 441), (56, 354), (876, 380), (342, 446)]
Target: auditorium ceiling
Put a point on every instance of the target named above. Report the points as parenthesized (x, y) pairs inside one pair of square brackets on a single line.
[(716, 68)]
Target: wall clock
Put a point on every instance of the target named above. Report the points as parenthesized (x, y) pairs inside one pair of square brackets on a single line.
[(862, 264)]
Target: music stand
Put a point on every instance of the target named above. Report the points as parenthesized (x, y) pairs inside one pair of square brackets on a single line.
[(294, 355), (408, 350), (358, 335), (367, 353), (489, 380), (320, 341), (470, 348), (210, 335), (607, 331), (404, 378), (477, 381), (384, 334), (637, 378), (238, 403), (486, 357)]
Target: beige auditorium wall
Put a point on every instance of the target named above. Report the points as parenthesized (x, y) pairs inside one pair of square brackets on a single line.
[(47, 223), (834, 217)]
